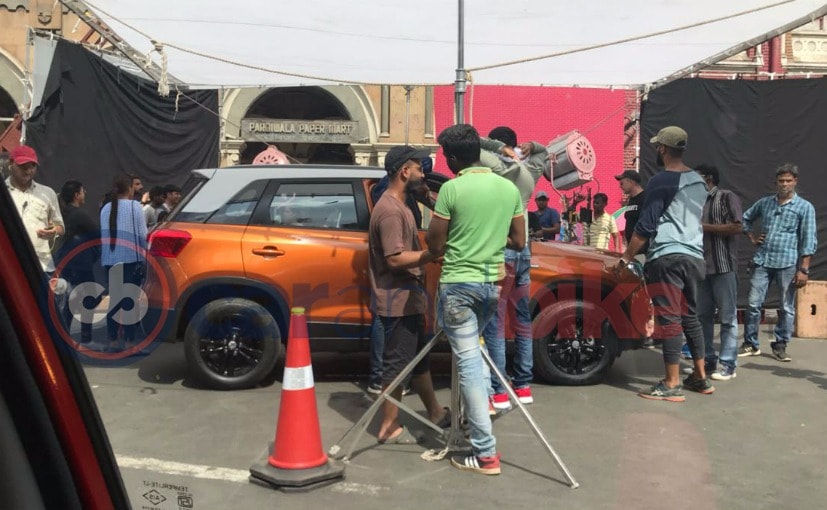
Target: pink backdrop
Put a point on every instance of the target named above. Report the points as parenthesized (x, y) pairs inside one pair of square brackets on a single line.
[(541, 114)]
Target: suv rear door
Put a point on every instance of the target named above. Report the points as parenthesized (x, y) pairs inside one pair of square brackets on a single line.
[(309, 239)]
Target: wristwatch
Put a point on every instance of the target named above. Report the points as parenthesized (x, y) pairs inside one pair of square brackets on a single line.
[(805, 270)]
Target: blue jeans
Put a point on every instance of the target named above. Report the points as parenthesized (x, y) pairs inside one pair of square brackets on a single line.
[(721, 291), (377, 351), (464, 309), (514, 293), (758, 285)]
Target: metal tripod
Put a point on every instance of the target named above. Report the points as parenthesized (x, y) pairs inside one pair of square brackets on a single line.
[(455, 436)]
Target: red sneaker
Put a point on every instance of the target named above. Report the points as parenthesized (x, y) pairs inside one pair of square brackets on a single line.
[(524, 394), (483, 465), (501, 401)]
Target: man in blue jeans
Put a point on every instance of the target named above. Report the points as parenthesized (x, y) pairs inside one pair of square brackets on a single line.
[(477, 215), (523, 165), (786, 245), (721, 222)]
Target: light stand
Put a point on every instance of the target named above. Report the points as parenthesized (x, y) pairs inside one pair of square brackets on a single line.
[(455, 440), (586, 217)]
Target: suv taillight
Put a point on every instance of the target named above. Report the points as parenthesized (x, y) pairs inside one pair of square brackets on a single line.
[(168, 242)]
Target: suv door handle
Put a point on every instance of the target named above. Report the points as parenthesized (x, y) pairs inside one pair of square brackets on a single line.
[(268, 251)]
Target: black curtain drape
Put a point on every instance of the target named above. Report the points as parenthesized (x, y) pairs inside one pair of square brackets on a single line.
[(747, 129), (97, 121)]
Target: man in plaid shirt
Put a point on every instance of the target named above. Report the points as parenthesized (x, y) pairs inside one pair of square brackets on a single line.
[(786, 245)]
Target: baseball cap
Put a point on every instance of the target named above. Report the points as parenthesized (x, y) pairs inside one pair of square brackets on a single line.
[(540, 194), (397, 156), (671, 136), (23, 154), (629, 174)]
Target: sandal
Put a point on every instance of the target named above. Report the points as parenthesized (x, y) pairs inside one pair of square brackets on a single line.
[(404, 437), (445, 422)]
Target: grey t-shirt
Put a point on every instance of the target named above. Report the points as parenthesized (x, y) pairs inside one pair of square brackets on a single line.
[(671, 214)]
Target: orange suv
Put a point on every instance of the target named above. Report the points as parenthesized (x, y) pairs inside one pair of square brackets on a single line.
[(248, 243)]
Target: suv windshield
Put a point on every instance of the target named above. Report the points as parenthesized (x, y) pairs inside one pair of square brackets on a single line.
[(190, 189)]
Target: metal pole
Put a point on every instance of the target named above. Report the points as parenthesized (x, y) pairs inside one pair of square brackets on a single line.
[(361, 425), (534, 427), (459, 85), (89, 16)]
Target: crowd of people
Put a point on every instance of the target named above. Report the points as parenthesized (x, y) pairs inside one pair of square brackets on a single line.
[(681, 225), (66, 236), (686, 226)]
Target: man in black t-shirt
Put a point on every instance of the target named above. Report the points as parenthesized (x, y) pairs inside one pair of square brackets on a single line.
[(630, 184)]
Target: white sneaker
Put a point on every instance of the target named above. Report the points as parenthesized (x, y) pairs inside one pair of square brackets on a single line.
[(723, 374)]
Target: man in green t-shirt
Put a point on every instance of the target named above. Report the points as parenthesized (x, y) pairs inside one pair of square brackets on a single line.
[(476, 216)]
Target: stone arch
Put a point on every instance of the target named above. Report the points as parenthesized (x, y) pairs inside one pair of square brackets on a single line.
[(351, 98), (11, 80)]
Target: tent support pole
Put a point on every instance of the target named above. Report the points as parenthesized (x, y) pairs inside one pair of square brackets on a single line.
[(82, 11), (459, 85)]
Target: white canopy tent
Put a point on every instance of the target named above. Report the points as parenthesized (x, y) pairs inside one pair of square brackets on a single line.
[(590, 43)]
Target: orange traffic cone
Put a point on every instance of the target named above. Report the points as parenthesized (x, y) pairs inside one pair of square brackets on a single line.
[(296, 460)]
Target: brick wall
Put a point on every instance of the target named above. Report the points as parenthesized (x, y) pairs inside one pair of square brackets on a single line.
[(631, 136)]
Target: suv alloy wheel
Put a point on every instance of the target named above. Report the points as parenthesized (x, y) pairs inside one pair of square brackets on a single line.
[(232, 344)]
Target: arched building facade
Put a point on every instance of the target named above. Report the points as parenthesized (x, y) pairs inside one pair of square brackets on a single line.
[(344, 124)]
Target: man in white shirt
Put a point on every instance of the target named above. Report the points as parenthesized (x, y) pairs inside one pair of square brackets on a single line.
[(37, 204), (603, 226)]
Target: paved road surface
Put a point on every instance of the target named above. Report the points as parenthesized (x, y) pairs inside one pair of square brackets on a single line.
[(760, 442)]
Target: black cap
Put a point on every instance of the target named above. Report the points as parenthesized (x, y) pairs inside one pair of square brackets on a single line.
[(397, 156), (629, 174), (172, 188)]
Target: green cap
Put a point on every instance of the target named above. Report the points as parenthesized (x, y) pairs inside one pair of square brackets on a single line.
[(297, 310), (671, 136)]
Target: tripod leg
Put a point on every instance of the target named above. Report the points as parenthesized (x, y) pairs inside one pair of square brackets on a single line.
[(536, 429), (457, 435), (361, 425)]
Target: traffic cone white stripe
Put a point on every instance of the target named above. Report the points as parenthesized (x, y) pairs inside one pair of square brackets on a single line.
[(297, 378)]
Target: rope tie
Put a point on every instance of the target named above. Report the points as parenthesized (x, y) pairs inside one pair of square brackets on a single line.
[(163, 80), (177, 98)]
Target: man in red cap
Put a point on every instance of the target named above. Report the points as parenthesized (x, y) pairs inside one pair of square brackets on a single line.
[(36, 204)]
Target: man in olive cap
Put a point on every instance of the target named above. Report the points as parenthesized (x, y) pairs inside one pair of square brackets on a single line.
[(671, 221)]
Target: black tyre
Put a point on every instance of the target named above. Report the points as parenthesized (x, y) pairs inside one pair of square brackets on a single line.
[(232, 344), (567, 349)]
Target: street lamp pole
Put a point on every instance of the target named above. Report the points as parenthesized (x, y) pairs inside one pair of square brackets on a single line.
[(459, 85)]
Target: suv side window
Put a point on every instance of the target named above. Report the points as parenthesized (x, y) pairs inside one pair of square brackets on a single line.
[(314, 205), (239, 209)]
